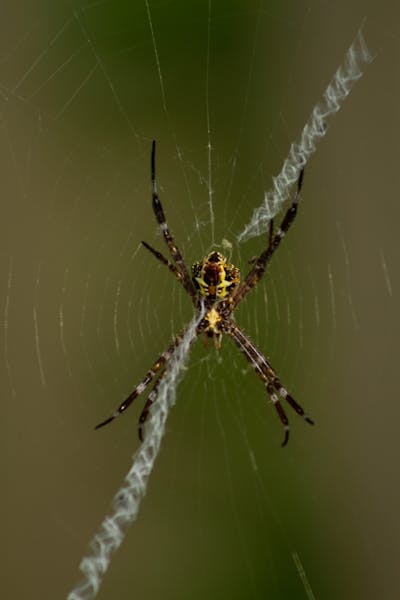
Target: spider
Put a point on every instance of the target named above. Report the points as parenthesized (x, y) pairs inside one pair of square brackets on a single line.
[(215, 285)]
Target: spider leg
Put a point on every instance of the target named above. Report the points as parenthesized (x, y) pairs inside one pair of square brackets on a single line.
[(271, 233), (267, 374), (245, 349), (150, 400), (140, 388), (153, 397), (271, 373), (260, 265), (160, 216), (165, 262)]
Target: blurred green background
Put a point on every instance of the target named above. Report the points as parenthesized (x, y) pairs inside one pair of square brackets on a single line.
[(85, 310)]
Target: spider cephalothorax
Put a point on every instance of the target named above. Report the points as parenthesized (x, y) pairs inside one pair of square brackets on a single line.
[(215, 285)]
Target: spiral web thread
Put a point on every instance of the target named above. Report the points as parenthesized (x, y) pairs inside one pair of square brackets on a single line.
[(126, 502), (338, 89)]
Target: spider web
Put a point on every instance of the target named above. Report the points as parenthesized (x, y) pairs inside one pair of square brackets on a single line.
[(224, 88)]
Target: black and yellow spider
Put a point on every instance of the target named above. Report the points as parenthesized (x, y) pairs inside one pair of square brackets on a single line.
[(215, 286)]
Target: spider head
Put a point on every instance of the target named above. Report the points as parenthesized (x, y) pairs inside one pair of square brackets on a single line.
[(214, 277)]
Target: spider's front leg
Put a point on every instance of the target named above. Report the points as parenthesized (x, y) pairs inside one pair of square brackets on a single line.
[(140, 388), (150, 401), (264, 370)]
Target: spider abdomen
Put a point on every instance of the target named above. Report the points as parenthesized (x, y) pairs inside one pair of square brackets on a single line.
[(214, 277)]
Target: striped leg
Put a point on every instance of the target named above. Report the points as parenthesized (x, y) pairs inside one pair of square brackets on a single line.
[(263, 260), (164, 261), (268, 385), (270, 372), (267, 374), (150, 401), (160, 216), (140, 388)]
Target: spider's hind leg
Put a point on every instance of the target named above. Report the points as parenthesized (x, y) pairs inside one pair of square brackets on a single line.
[(164, 261), (260, 264), (169, 240)]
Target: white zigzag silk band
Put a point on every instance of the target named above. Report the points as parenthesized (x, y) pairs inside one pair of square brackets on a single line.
[(338, 89), (126, 503)]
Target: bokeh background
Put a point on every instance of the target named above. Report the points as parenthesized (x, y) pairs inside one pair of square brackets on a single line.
[(84, 88)]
